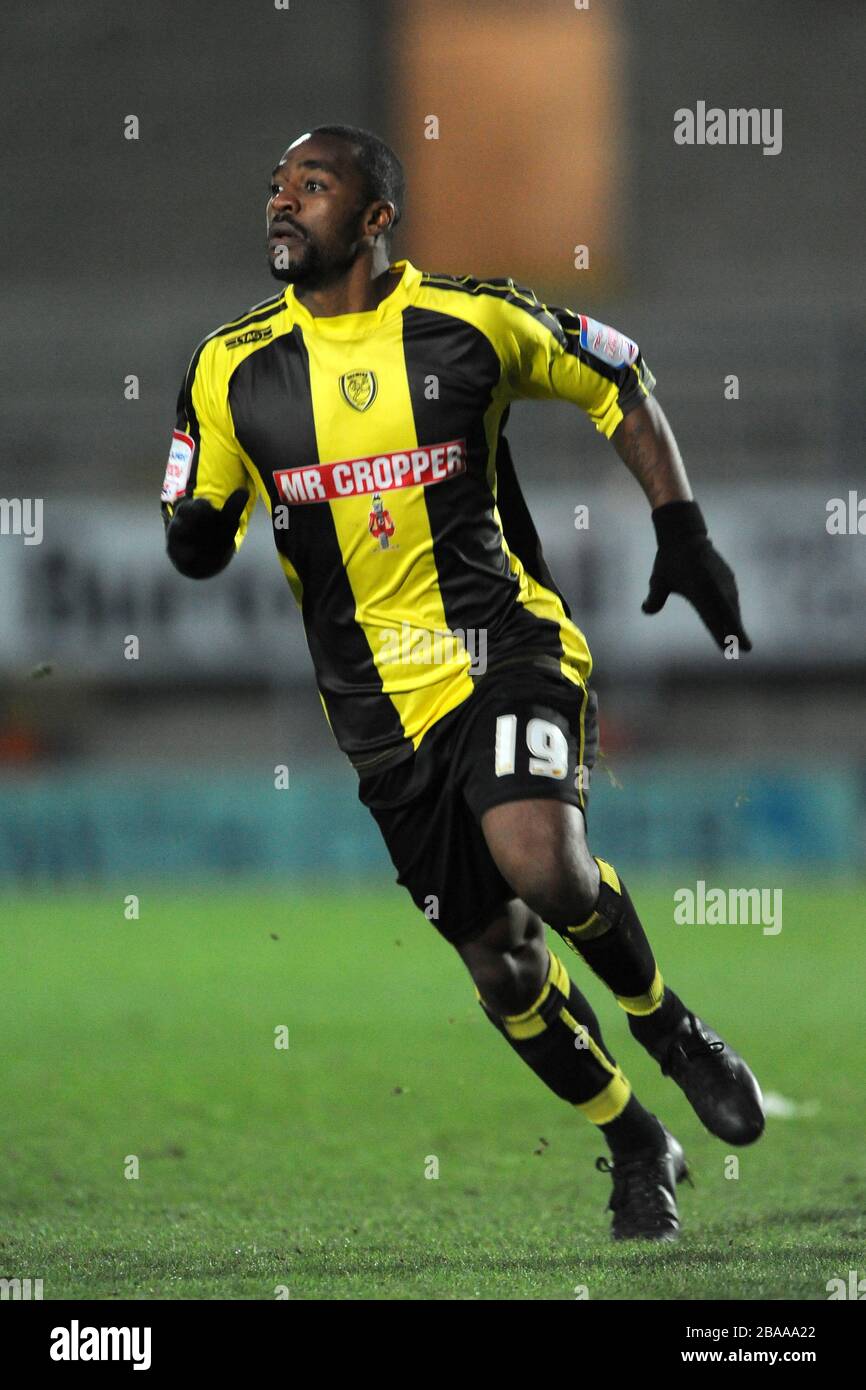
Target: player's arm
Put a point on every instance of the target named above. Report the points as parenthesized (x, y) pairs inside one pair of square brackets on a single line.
[(572, 357), (686, 562), (206, 499), (645, 442)]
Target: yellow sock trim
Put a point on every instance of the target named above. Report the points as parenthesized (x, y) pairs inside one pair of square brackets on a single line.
[(614, 1097), (643, 1004), (528, 1024), (595, 925), (588, 1042), (608, 1103), (608, 874)]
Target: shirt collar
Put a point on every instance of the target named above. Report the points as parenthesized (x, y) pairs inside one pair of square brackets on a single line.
[(359, 325)]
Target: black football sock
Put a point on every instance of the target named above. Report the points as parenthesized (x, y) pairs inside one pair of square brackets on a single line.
[(560, 1039), (614, 945), (635, 1129), (649, 1029)]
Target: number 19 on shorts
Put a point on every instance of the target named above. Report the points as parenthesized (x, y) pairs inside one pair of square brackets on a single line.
[(547, 745)]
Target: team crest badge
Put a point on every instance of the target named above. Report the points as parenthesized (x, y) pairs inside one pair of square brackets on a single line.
[(359, 389)]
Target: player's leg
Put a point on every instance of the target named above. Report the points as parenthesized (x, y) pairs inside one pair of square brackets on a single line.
[(523, 759), (442, 859), (526, 993), (540, 847)]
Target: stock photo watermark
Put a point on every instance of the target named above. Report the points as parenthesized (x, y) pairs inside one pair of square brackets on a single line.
[(22, 516), (20, 1290), (735, 126), (413, 646), (729, 907)]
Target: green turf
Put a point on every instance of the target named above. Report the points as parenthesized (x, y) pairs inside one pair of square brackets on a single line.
[(305, 1168)]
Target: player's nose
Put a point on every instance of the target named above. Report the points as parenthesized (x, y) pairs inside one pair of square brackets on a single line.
[(285, 199)]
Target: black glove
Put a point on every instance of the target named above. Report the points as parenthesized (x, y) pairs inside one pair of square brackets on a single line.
[(201, 540), (687, 563)]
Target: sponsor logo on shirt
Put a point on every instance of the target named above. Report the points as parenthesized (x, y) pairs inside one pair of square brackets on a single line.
[(178, 466), (381, 473), (606, 342), (380, 523)]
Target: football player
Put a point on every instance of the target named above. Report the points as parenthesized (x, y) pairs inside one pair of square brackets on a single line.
[(365, 405)]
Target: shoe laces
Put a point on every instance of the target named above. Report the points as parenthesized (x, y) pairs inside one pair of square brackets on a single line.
[(632, 1177), (695, 1046)]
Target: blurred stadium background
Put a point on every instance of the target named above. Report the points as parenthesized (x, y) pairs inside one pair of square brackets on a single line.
[(155, 777), (555, 129)]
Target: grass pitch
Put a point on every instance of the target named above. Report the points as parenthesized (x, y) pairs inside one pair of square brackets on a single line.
[(303, 1168)]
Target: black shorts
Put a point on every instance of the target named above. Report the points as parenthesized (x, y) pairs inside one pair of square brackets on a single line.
[(523, 732)]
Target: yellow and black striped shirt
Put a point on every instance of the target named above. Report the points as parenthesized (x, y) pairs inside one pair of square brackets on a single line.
[(376, 442)]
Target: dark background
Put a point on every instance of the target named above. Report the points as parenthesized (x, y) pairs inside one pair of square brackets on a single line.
[(121, 255)]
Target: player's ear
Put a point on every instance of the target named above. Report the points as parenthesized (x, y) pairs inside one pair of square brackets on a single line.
[(380, 218)]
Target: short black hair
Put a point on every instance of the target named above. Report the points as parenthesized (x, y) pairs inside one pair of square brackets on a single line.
[(382, 171)]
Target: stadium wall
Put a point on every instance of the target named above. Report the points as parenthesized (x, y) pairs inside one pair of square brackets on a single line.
[(142, 827)]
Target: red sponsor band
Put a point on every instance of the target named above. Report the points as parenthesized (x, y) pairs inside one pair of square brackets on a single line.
[(354, 477)]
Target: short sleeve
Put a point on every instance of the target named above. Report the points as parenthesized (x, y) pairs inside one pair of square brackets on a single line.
[(204, 459), (558, 354)]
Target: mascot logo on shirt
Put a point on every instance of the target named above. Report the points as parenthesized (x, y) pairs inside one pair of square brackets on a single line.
[(380, 524), (359, 389)]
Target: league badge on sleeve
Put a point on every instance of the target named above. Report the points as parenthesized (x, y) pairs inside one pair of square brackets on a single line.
[(178, 466), (607, 343)]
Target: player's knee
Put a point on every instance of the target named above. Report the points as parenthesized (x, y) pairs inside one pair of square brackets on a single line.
[(561, 893), (496, 980), (509, 962), (541, 850), (510, 983)]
